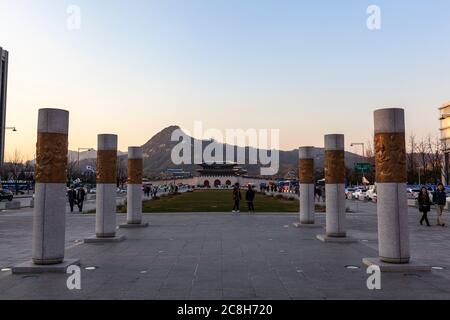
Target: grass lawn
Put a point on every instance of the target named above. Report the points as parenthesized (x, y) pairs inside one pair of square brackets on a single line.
[(215, 201)]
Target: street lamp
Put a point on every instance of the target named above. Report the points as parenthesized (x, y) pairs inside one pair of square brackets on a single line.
[(359, 144), (13, 129), (82, 149), (418, 168)]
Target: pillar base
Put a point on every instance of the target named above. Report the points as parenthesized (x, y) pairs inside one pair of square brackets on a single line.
[(397, 267), (105, 240), (30, 267), (306, 225), (134, 225), (326, 238)]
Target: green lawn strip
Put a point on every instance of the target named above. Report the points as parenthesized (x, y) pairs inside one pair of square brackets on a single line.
[(215, 201)]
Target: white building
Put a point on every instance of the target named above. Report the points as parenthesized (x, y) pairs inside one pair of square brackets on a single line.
[(445, 140)]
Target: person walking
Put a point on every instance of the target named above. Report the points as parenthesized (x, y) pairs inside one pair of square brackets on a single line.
[(424, 205), (81, 194), (237, 198), (250, 197), (440, 200), (72, 195)]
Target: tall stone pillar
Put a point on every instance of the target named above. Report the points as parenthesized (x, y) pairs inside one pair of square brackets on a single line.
[(134, 189), (106, 207), (307, 185), (49, 220), (335, 189), (392, 206), (390, 166)]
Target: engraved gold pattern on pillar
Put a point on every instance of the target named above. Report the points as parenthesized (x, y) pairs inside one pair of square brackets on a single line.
[(134, 171), (306, 171), (106, 166), (334, 166), (51, 157), (390, 157)]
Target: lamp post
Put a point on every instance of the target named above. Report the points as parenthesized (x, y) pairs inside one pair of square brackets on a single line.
[(363, 152), (418, 168), (13, 129), (359, 144), (78, 161)]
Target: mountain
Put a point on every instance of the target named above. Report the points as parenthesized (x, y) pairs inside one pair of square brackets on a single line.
[(158, 150), (157, 156), (87, 154)]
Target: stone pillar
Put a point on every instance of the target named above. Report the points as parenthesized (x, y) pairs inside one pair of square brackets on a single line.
[(105, 222), (335, 185), (335, 189), (49, 217), (392, 203), (307, 185), (390, 166), (134, 189), (49, 220)]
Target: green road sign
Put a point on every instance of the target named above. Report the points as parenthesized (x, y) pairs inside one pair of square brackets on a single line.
[(363, 167)]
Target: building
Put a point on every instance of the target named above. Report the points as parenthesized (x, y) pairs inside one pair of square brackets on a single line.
[(220, 174), (445, 140), (3, 89), (216, 175)]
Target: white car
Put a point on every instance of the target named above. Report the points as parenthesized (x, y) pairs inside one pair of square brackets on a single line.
[(349, 193), (371, 195), (359, 194), (410, 194)]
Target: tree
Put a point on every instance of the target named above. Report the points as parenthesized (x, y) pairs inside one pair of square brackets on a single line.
[(15, 165), (122, 171)]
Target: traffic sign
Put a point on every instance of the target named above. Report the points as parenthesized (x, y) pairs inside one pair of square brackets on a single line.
[(363, 167)]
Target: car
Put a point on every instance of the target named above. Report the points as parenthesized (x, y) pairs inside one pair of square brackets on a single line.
[(371, 194), (6, 195), (410, 194), (349, 193), (359, 194)]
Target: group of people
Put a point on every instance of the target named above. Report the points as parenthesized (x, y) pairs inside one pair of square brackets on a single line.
[(150, 191), (249, 198), (76, 197), (425, 203), (270, 188)]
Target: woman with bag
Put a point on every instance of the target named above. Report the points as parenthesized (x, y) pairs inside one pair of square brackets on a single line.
[(424, 205)]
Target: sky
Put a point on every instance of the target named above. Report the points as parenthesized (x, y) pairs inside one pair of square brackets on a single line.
[(308, 68)]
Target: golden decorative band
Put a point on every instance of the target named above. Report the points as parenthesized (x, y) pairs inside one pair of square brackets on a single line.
[(334, 166), (390, 157), (106, 166), (51, 158), (306, 171), (134, 171)]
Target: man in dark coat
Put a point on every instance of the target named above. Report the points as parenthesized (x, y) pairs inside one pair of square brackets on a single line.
[(440, 200), (236, 198), (81, 194), (250, 197), (72, 195)]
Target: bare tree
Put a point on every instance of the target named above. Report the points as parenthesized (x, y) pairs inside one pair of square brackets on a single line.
[(14, 167), (411, 163), (423, 157), (122, 171), (435, 158)]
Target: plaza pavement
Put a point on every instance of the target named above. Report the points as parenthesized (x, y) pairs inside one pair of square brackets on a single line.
[(225, 256)]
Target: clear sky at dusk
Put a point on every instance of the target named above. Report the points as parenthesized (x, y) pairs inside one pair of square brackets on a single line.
[(305, 67)]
